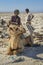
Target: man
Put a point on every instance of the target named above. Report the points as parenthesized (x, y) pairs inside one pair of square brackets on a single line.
[(29, 20), (15, 19), (29, 16), (28, 27)]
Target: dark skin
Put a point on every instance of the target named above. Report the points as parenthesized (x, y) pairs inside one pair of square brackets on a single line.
[(27, 11), (31, 19), (15, 20), (15, 23)]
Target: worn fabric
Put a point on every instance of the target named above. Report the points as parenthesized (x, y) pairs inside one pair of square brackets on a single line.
[(16, 20), (27, 26)]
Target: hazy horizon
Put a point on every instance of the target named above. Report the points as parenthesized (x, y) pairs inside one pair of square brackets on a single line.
[(11, 5)]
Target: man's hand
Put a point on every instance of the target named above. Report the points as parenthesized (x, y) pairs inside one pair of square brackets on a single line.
[(32, 16), (14, 23)]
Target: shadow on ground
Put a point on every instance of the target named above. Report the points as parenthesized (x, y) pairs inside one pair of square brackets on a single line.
[(32, 52)]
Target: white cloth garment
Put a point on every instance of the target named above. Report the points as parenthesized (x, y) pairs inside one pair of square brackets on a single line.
[(27, 26)]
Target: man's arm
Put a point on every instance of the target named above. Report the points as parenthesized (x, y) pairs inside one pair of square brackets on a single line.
[(19, 22), (30, 17)]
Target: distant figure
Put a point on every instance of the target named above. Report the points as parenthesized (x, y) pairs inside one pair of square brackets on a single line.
[(28, 23), (15, 19), (29, 16), (3, 22), (28, 27), (28, 20)]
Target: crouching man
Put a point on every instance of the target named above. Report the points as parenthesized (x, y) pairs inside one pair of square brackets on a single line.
[(15, 19), (15, 32)]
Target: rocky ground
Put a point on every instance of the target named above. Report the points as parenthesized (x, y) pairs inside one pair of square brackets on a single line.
[(31, 55)]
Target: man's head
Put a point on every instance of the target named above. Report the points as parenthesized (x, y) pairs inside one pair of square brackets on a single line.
[(27, 10), (16, 12)]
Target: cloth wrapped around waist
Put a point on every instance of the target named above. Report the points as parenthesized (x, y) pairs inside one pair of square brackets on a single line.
[(29, 30)]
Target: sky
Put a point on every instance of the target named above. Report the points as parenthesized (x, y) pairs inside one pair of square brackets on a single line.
[(11, 5)]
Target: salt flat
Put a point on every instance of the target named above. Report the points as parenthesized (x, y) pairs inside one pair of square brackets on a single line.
[(31, 55)]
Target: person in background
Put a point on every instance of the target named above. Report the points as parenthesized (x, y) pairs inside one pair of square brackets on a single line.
[(28, 27), (30, 16), (2, 22)]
